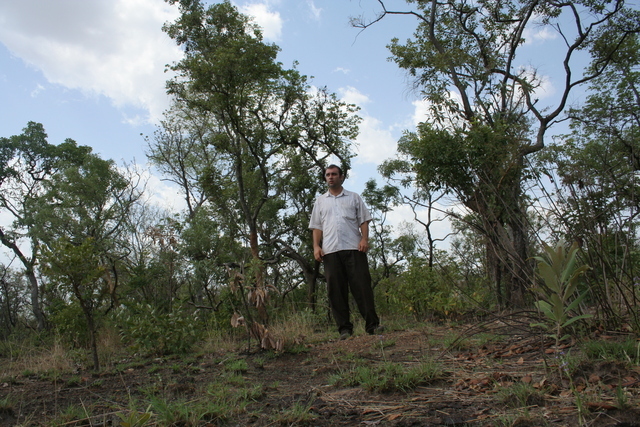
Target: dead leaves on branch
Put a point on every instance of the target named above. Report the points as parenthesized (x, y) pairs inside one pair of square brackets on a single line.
[(256, 297), (259, 332)]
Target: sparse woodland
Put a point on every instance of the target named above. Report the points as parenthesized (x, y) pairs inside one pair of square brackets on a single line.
[(116, 312)]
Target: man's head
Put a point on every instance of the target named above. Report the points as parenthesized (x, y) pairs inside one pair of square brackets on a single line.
[(334, 177), (333, 171)]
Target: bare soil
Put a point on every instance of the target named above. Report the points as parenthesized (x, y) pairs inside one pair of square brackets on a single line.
[(467, 394)]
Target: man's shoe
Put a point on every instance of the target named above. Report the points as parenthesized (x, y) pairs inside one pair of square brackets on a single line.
[(377, 330), (345, 335)]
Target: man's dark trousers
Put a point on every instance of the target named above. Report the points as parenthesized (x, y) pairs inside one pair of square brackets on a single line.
[(344, 271)]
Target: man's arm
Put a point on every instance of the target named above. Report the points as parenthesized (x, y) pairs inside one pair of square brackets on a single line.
[(364, 240), (317, 244)]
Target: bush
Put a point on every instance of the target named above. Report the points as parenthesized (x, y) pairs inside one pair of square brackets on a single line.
[(70, 324), (154, 331), (425, 292)]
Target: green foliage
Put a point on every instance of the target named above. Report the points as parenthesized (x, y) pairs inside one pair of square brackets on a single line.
[(560, 276), (422, 291), (69, 323), (73, 381), (158, 332), (595, 171)]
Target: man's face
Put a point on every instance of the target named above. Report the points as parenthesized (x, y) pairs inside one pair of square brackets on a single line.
[(333, 177)]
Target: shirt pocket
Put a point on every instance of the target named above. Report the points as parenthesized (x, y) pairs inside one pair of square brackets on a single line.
[(348, 211)]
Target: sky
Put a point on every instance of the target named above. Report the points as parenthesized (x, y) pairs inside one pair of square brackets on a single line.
[(94, 71)]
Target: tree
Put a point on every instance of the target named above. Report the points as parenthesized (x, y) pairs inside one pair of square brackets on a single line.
[(485, 115), (82, 218), (27, 163), (12, 303), (595, 170), (386, 252), (267, 127), (76, 268)]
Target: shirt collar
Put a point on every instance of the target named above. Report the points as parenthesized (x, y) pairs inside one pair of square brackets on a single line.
[(343, 193)]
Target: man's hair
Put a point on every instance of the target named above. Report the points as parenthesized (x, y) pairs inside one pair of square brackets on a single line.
[(332, 166)]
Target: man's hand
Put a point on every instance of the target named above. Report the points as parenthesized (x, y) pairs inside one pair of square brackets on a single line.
[(318, 253), (363, 246)]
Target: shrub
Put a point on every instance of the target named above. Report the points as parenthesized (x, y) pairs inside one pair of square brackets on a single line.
[(154, 331)]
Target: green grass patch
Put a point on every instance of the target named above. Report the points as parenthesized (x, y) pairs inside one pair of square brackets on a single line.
[(627, 351), (298, 414), (520, 395), (388, 376)]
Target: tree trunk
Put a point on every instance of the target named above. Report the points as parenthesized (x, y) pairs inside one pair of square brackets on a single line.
[(28, 264), (35, 298)]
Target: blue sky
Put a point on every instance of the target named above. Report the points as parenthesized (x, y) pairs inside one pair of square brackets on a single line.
[(93, 70)]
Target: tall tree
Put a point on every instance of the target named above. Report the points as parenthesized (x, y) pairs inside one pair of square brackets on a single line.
[(485, 115), (27, 163), (266, 125)]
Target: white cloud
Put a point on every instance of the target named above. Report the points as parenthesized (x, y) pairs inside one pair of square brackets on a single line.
[(352, 95), (109, 48), (161, 193), (270, 22), (420, 112), (35, 92), (165, 194), (539, 35), (545, 87), (315, 11), (342, 70), (375, 143), (402, 216)]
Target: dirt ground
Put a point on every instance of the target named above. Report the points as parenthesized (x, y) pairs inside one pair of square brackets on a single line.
[(467, 394)]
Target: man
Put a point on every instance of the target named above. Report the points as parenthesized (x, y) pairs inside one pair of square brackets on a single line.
[(340, 226)]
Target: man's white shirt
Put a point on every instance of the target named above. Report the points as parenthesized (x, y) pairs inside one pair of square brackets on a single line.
[(339, 217)]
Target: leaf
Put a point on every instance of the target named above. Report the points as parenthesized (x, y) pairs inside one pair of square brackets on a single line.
[(549, 276), (576, 302), (576, 318), (237, 320)]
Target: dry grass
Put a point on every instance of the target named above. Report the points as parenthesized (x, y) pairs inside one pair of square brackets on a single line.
[(38, 361), (110, 348), (217, 341)]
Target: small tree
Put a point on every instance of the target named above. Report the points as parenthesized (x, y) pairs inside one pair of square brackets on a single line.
[(77, 269)]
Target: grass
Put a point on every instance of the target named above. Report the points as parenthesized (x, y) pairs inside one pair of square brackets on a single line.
[(388, 376), (236, 365), (627, 351), (73, 381), (7, 404), (220, 401), (298, 414), (520, 395), (39, 361), (221, 385), (70, 414)]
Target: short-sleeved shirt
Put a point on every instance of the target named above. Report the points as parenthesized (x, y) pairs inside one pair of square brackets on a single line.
[(339, 217)]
